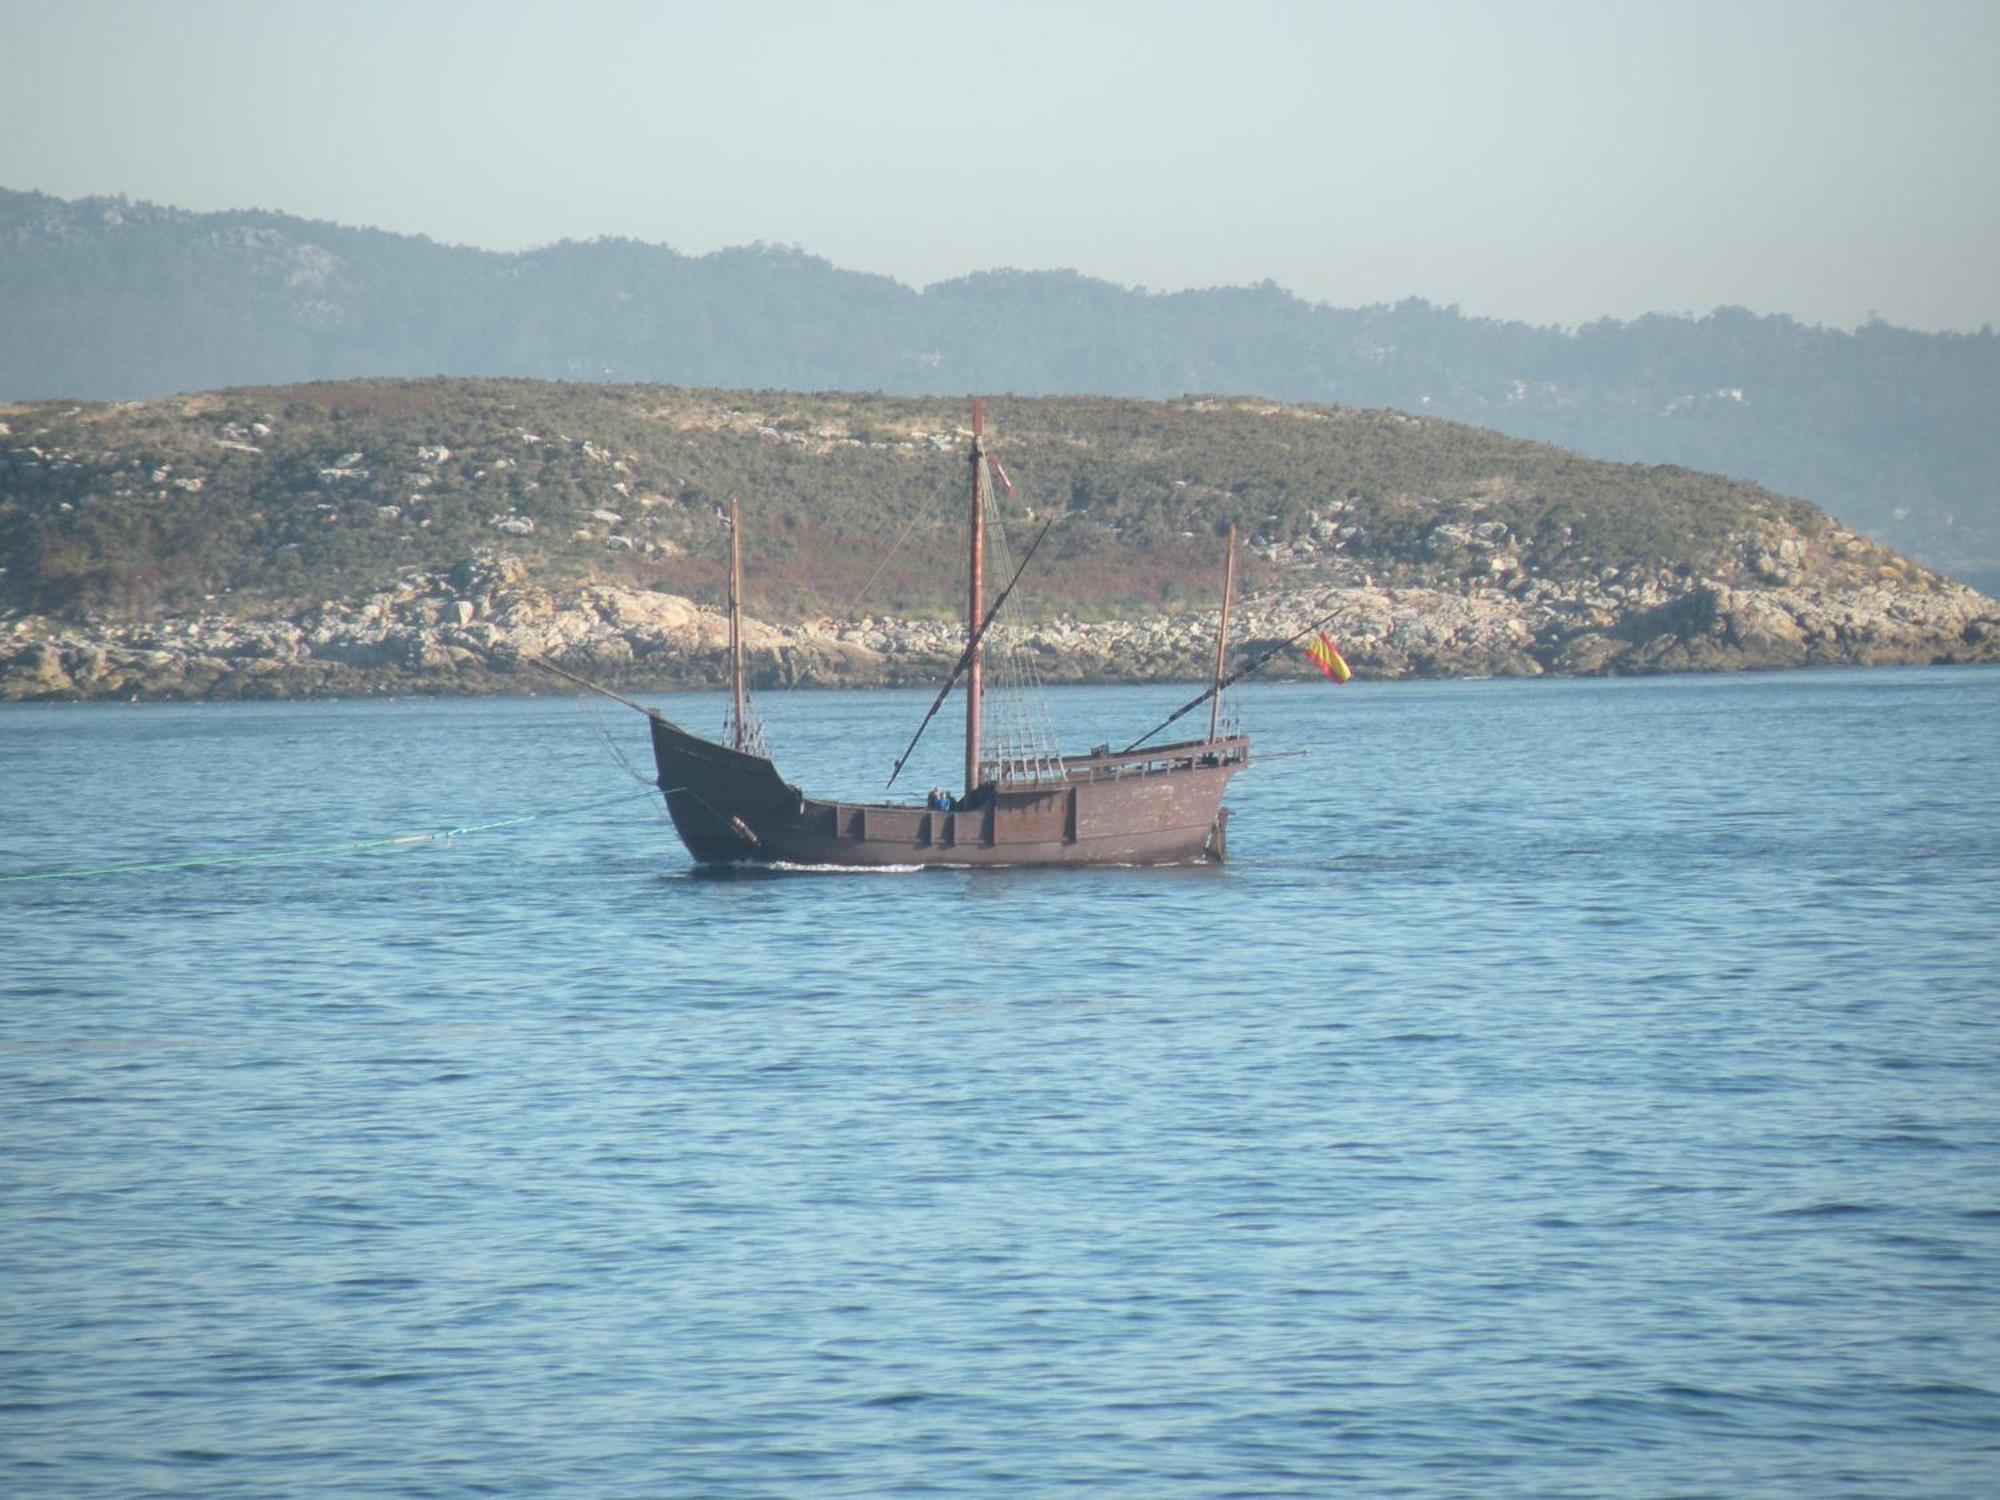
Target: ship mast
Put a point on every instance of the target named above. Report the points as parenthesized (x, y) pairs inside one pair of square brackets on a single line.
[(1222, 633), (975, 603), (736, 625)]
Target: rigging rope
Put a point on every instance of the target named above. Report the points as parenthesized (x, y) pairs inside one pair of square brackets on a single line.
[(854, 604), (1025, 739), (596, 711)]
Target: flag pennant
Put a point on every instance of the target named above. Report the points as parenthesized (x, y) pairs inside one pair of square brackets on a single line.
[(1326, 656)]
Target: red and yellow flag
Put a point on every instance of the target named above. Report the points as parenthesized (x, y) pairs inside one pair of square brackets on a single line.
[(1326, 656)]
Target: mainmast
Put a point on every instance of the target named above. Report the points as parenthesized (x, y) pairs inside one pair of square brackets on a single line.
[(976, 594), (1222, 633), (736, 627)]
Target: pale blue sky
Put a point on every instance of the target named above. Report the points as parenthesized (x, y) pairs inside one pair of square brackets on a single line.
[(1549, 161)]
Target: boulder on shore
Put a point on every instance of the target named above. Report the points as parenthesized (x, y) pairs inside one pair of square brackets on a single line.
[(414, 641)]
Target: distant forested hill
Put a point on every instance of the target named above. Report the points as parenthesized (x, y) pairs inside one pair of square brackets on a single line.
[(106, 298)]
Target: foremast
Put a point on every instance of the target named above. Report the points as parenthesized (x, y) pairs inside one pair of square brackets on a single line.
[(736, 623), (746, 731)]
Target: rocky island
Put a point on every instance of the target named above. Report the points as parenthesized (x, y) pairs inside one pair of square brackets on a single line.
[(426, 536)]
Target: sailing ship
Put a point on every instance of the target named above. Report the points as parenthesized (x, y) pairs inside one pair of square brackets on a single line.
[(1138, 806)]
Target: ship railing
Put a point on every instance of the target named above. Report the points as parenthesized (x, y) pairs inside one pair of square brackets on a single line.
[(1102, 765), (1032, 769)]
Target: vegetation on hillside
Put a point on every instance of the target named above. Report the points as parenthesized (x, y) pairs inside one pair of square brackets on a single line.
[(269, 498), (1890, 428)]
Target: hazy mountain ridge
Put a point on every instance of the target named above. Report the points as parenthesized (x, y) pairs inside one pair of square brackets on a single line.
[(424, 535), (107, 298)]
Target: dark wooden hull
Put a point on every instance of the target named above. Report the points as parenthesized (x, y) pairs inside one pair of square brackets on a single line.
[(1160, 806)]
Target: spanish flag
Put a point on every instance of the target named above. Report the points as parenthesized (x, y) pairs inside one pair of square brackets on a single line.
[(1326, 656)]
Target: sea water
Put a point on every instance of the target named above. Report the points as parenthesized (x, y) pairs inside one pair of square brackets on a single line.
[(1568, 1088)]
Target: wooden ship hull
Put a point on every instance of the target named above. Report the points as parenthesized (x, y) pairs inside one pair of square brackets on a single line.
[(1157, 806), (1025, 804)]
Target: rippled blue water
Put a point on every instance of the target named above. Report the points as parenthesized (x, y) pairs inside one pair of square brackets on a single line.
[(1571, 1088)]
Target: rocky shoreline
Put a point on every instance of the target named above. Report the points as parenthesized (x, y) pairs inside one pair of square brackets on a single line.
[(467, 632)]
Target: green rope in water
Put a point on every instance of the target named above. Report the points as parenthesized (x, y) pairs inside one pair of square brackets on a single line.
[(442, 835)]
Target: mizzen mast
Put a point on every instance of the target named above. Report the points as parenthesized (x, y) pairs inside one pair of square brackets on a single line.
[(976, 596)]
